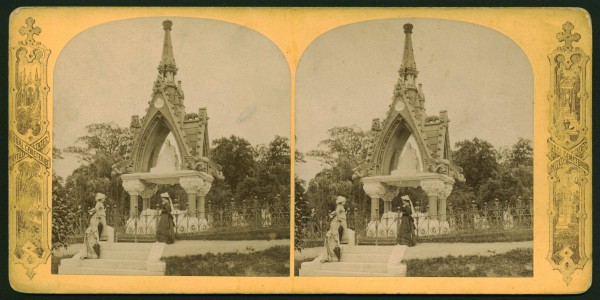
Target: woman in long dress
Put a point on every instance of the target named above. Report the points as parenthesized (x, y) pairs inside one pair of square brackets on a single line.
[(340, 213), (165, 228), (333, 251), (91, 240), (406, 236)]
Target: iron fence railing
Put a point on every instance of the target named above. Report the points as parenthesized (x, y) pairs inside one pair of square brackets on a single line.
[(458, 221), (189, 225)]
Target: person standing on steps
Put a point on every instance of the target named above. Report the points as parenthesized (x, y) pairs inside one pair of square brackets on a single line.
[(340, 212), (100, 212), (165, 230), (407, 236), (91, 244)]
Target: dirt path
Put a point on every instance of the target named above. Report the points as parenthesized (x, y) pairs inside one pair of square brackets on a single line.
[(428, 250), (187, 247), (183, 248)]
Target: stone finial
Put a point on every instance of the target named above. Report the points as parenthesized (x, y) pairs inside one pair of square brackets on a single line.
[(376, 125), (566, 36), (167, 24), (444, 115), (408, 28)]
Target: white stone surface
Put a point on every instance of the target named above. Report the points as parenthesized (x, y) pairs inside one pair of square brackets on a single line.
[(118, 259)]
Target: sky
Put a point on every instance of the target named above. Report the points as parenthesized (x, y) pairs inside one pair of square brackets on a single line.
[(346, 77), (106, 74)]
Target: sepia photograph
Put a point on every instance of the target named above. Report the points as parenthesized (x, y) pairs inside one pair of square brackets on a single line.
[(418, 156), (299, 150), (171, 151)]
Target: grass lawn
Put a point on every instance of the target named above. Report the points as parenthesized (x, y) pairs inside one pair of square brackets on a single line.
[(274, 261), (515, 263)]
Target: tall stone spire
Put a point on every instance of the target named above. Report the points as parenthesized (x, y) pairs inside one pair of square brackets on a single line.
[(408, 70), (167, 68)]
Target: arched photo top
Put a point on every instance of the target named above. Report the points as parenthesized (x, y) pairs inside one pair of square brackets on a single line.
[(106, 74), (347, 77)]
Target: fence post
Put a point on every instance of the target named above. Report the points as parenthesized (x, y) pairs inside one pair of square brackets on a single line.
[(377, 227), (474, 211), (398, 227), (135, 229), (451, 220), (115, 216)]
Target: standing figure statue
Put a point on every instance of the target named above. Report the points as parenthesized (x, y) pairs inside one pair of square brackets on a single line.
[(100, 212), (165, 230), (340, 212), (91, 244), (337, 229), (407, 236)]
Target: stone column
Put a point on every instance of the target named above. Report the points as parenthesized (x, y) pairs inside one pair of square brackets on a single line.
[(434, 190), (146, 194), (443, 205), (133, 187), (390, 192), (374, 190), (191, 185), (201, 199)]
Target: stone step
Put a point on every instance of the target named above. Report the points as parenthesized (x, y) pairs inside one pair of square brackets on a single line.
[(356, 267), (331, 273), (104, 271), (379, 250), (114, 264), (124, 254), (365, 258)]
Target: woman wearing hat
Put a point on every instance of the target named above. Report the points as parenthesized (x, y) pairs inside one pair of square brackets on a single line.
[(340, 212), (100, 213), (406, 236), (165, 228)]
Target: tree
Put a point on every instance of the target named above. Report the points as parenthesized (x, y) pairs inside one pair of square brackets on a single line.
[(236, 157), (271, 174), (104, 145), (301, 213), (342, 151), (104, 139), (521, 153), (344, 143), (64, 216), (478, 160)]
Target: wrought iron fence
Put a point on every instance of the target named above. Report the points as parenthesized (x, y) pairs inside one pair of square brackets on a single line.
[(458, 221), (248, 217)]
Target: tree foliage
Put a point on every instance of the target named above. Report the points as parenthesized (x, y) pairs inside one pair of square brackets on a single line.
[(265, 169), (301, 213), (103, 145), (503, 174), (347, 143), (236, 157), (64, 216), (342, 151), (478, 160)]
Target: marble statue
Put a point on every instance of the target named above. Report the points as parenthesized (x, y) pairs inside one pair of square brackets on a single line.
[(167, 159)]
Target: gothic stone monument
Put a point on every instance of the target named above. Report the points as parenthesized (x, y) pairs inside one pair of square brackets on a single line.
[(393, 163), (191, 168)]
